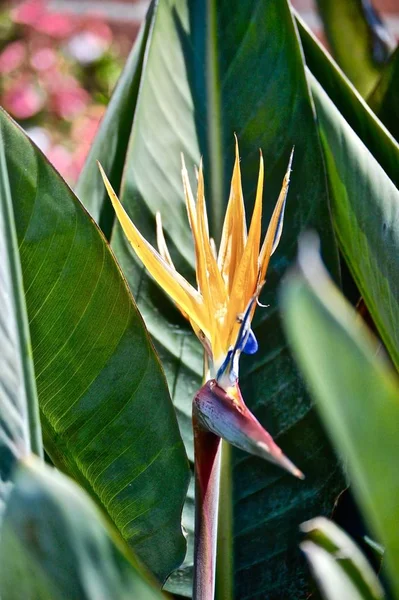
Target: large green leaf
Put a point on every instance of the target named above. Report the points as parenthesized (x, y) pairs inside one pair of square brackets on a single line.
[(384, 99), (365, 209), (55, 544), (357, 38), (349, 103), (213, 69), (19, 412), (356, 391), (106, 413), (113, 138), (339, 566)]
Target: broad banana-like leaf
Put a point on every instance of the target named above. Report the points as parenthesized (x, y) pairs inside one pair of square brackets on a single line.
[(56, 545), (356, 392), (212, 69), (384, 99), (365, 210), (112, 140), (106, 413), (358, 39), (19, 413), (339, 566), (350, 103)]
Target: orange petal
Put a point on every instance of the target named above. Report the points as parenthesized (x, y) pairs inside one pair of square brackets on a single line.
[(184, 295), (275, 228), (234, 232), (216, 292), (161, 242), (246, 275)]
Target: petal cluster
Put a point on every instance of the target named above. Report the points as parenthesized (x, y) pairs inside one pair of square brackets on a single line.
[(220, 310)]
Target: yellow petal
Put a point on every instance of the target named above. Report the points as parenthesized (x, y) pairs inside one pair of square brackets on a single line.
[(183, 294), (200, 262), (246, 275), (275, 227), (234, 233), (161, 242), (216, 292)]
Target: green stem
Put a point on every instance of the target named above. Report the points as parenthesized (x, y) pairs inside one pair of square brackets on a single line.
[(224, 558)]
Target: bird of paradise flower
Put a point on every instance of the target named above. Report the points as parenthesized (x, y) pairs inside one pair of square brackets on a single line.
[(220, 311)]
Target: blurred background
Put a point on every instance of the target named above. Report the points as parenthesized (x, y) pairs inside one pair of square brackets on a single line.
[(60, 60)]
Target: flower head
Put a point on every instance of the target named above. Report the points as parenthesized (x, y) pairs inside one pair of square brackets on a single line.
[(220, 310), (229, 281)]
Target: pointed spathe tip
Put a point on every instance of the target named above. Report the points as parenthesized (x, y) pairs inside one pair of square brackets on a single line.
[(274, 454), (289, 466)]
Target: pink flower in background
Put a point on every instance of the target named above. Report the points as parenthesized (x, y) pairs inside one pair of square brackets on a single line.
[(23, 99), (69, 99), (43, 59), (83, 132), (12, 57), (62, 159), (56, 73), (35, 13)]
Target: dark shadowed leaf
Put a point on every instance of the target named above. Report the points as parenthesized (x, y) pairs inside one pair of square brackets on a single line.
[(55, 545), (356, 393), (106, 413)]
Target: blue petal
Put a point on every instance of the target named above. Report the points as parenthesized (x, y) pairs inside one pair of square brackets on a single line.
[(251, 343)]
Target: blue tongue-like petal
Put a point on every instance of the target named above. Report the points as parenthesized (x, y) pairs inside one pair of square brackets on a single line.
[(251, 343), (227, 374)]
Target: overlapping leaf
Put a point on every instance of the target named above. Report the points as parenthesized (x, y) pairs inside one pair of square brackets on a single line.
[(19, 415), (356, 392), (357, 38), (350, 104), (339, 567), (55, 544), (105, 410), (365, 209), (213, 69)]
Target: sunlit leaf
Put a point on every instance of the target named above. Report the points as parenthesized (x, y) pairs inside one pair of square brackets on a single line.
[(350, 104), (356, 392), (105, 410), (339, 566), (365, 210)]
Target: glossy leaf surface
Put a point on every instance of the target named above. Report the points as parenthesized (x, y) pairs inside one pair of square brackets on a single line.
[(106, 413), (349, 102), (365, 209)]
